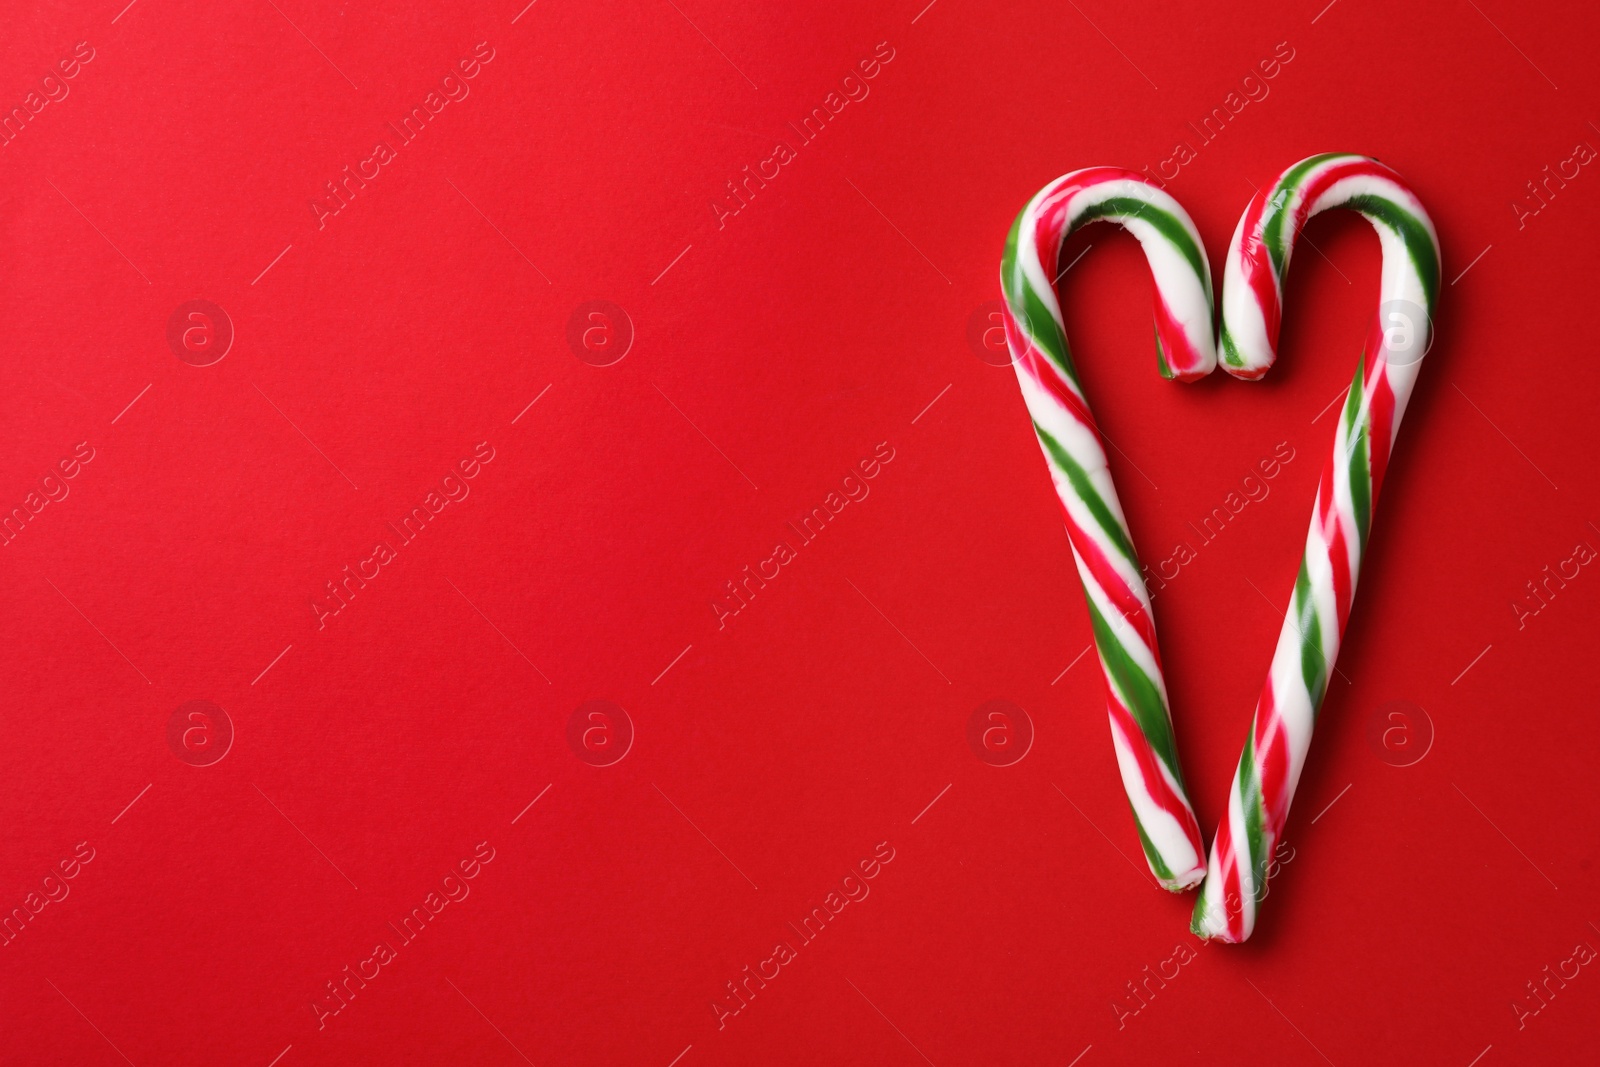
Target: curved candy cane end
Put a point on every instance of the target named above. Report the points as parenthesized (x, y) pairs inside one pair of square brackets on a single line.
[(1185, 344)]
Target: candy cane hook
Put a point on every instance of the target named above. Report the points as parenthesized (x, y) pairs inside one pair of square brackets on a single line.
[(1308, 644), (1119, 606)]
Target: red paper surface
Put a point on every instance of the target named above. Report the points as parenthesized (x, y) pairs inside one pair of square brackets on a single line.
[(765, 354)]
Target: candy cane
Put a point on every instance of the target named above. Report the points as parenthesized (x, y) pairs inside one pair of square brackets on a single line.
[(1308, 644), (1119, 606)]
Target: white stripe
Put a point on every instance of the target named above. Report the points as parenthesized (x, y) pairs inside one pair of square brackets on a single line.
[(1121, 628), (1242, 316), (1186, 296), (1241, 848), (1291, 701), (1165, 833), (1084, 449), (1344, 506)]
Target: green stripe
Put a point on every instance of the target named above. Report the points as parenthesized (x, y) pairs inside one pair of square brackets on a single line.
[(1312, 662), (1161, 353), (1118, 208), (1352, 399), (1197, 917), (1230, 351), (1419, 243), (1030, 312), (1140, 693), (1250, 804), (1088, 494), (1157, 864), (1282, 193), (1357, 460)]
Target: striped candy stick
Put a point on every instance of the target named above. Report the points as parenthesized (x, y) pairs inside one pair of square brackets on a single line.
[(1308, 644), (1119, 606)]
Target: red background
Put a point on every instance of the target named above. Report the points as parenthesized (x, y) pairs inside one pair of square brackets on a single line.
[(824, 718)]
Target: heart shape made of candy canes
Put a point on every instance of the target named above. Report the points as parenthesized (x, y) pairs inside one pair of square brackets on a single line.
[(1235, 878)]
